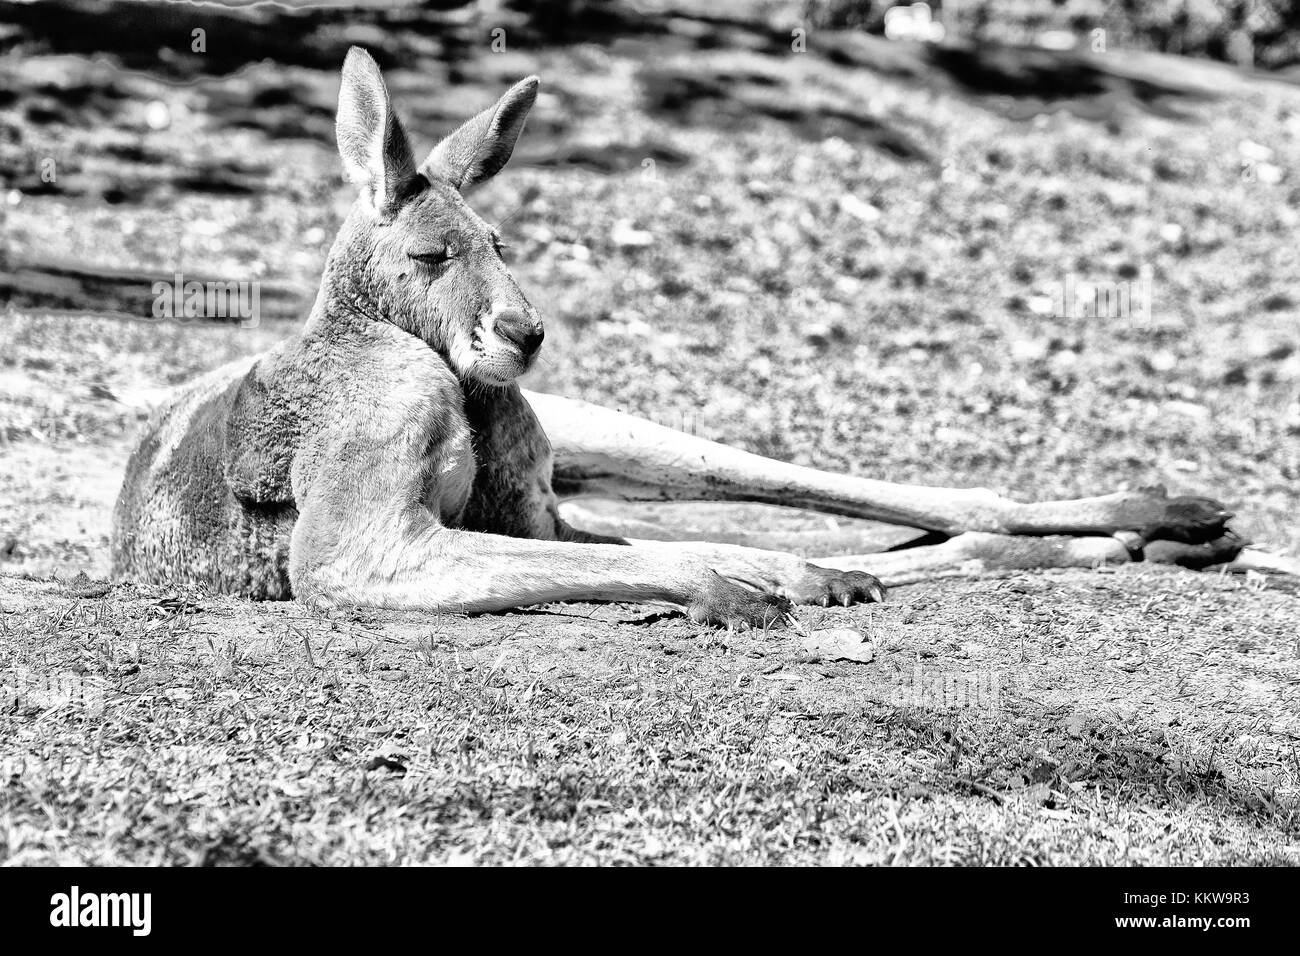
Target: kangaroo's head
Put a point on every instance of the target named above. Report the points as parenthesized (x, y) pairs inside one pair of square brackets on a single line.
[(412, 252)]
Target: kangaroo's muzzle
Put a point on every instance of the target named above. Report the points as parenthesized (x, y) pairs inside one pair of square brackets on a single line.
[(522, 331)]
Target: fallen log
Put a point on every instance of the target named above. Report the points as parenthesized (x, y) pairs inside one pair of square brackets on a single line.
[(42, 286)]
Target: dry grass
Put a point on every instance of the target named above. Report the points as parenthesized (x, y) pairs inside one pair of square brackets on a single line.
[(1126, 731)]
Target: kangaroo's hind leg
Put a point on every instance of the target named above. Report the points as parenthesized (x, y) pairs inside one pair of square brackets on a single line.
[(607, 453), (975, 554)]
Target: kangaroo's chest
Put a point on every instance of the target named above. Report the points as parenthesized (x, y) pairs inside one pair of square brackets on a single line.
[(449, 472)]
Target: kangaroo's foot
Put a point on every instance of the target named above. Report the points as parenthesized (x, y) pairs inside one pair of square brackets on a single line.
[(1200, 554), (976, 553), (1188, 519), (1147, 514)]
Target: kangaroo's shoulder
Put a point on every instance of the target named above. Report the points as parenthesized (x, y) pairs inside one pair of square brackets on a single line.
[(377, 377), (321, 379), (333, 397)]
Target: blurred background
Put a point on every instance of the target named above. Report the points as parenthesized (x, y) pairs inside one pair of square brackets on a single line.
[(1045, 247)]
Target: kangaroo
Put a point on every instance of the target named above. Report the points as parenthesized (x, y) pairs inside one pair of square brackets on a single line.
[(384, 455)]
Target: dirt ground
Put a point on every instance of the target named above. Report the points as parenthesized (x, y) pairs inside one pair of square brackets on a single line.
[(837, 259), (1139, 716)]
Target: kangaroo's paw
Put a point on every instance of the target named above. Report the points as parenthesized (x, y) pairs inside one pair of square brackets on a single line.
[(826, 587), (725, 604)]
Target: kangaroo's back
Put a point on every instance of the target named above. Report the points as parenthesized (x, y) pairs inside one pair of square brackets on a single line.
[(178, 516)]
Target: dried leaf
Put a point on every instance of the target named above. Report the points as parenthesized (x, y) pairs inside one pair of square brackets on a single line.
[(839, 644)]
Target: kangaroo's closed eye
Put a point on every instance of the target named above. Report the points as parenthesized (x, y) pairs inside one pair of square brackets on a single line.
[(432, 257)]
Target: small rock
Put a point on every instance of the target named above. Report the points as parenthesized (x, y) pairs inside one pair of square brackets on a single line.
[(1163, 360), (380, 762), (626, 236), (859, 209), (157, 116), (1254, 152), (1041, 304), (1190, 409), (1270, 174)]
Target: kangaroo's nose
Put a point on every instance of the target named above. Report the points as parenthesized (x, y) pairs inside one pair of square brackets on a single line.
[(519, 329)]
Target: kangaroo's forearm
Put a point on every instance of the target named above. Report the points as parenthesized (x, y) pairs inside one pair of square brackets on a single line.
[(752, 566), (440, 569)]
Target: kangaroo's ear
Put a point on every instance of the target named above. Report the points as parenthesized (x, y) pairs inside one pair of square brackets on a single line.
[(376, 153), (477, 150)]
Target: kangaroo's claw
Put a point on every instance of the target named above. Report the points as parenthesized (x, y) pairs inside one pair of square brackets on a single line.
[(829, 588)]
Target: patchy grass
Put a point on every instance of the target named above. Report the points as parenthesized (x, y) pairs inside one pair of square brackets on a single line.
[(834, 259), (1125, 729)]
